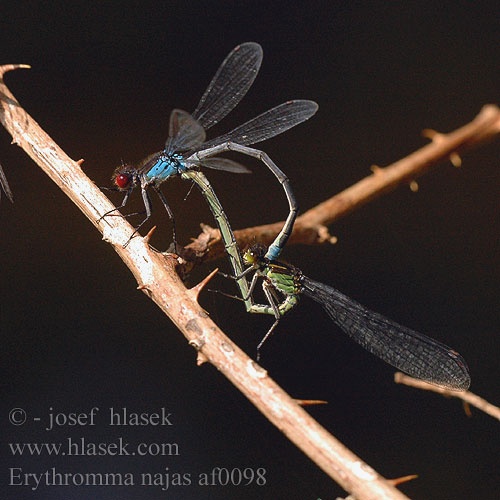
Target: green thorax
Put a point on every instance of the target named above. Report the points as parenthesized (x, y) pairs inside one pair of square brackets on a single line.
[(285, 278)]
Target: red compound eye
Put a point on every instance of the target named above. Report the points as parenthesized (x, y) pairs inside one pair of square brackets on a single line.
[(122, 180)]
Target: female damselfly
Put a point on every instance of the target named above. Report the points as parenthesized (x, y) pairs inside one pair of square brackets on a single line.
[(407, 350)]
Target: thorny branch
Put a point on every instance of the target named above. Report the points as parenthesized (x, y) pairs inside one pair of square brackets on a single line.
[(157, 277)]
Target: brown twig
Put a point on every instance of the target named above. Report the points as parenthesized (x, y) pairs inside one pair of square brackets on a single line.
[(311, 227), (466, 396), (156, 276)]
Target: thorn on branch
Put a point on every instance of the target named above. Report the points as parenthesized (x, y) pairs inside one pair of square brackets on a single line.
[(148, 236), (145, 288), (467, 410), (10, 67), (455, 159), (403, 479), (310, 402), (433, 135), (194, 292), (201, 359)]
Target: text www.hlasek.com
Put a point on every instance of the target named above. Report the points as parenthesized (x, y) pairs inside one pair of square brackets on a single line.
[(82, 447)]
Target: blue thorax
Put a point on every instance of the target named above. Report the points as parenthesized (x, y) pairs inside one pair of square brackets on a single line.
[(166, 165)]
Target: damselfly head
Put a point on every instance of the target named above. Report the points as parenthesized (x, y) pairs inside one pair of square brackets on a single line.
[(124, 177), (254, 255)]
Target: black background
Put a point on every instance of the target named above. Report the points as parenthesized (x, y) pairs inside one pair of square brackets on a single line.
[(77, 334)]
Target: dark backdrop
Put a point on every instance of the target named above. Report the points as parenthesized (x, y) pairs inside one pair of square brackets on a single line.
[(75, 332)]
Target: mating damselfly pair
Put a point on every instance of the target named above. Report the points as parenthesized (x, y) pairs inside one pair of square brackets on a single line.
[(187, 150)]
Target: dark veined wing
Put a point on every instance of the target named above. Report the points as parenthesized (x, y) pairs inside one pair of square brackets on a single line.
[(409, 351), (230, 84), (273, 122), (184, 132), (5, 186), (222, 164)]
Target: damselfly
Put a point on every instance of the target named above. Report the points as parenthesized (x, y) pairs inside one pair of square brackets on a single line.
[(407, 350), (186, 149)]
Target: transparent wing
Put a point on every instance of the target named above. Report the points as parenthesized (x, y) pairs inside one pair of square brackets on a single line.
[(409, 351), (222, 164), (273, 122), (230, 84), (184, 132), (5, 186)]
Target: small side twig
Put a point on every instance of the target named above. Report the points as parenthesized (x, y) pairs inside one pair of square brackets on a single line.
[(466, 396), (311, 227)]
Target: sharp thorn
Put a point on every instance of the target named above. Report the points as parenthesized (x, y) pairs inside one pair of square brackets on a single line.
[(467, 409), (195, 291), (310, 402), (148, 236), (403, 479)]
